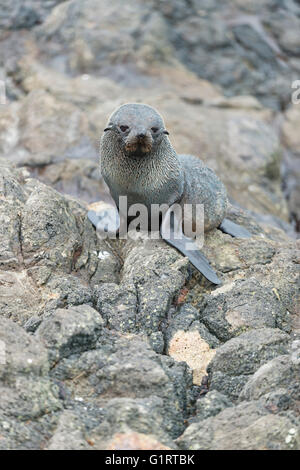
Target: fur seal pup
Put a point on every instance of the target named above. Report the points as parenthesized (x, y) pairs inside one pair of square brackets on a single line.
[(138, 161)]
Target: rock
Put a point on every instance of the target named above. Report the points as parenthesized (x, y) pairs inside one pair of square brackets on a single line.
[(240, 357), (283, 28), (247, 426), (70, 331), (254, 271), (9, 128), (281, 373), (210, 405), (118, 305), (68, 434), (19, 296), (126, 366), (85, 89), (49, 229), (40, 397), (27, 392), (191, 348), (23, 353), (290, 138), (79, 178), (72, 25), (186, 319), (131, 417), (244, 33), (32, 324), (68, 291), (157, 342), (11, 200), (41, 129), (51, 130), (135, 441), (259, 44), (20, 14), (152, 276), (190, 341), (46, 241), (238, 306), (289, 128), (263, 382), (107, 343)]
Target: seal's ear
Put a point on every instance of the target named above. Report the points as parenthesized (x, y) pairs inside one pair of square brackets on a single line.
[(165, 132), (107, 129)]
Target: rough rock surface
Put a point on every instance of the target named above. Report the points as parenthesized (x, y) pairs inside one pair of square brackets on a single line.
[(241, 35), (24, 14), (241, 356), (245, 426), (113, 344)]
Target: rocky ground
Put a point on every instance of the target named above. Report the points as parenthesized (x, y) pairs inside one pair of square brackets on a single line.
[(122, 344)]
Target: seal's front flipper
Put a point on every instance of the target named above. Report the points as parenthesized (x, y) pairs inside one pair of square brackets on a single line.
[(235, 230), (188, 248), (106, 221), (93, 217)]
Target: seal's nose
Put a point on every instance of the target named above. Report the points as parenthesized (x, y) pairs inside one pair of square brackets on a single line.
[(141, 135)]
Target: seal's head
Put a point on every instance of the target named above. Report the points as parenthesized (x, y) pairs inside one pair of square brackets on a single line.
[(139, 128)]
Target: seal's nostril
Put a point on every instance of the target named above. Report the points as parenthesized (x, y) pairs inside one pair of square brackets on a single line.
[(141, 136)]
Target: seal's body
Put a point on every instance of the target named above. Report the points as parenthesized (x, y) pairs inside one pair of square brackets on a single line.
[(146, 178), (138, 161), (202, 186)]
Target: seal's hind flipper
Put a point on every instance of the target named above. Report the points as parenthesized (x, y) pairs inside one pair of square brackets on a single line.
[(188, 248), (196, 258), (235, 230)]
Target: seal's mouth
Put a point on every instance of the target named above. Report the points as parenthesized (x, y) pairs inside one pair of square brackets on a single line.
[(135, 145)]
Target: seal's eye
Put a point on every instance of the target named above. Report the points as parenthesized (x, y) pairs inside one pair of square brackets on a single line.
[(124, 128), (154, 129)]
